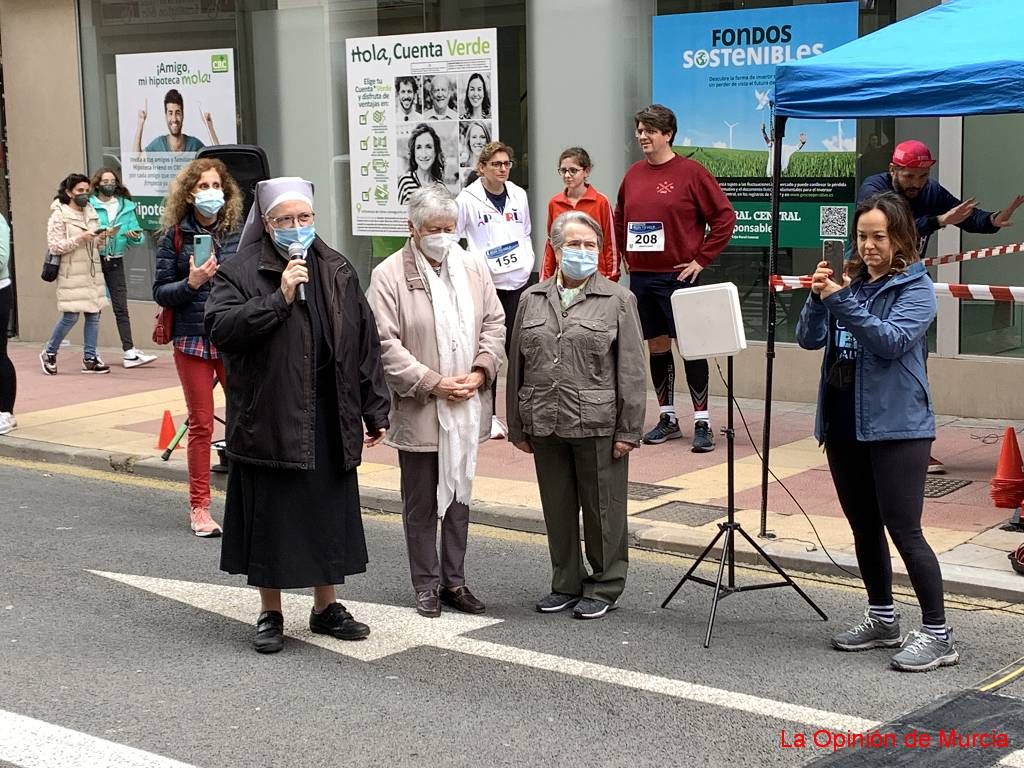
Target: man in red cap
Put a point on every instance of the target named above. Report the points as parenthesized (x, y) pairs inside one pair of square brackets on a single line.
[(933, 206)]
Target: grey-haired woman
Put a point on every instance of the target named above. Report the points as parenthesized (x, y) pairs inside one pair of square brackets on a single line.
[(442, 335), (575, 399)]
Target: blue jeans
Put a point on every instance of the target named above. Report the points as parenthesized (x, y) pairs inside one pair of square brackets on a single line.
[(64, 326)]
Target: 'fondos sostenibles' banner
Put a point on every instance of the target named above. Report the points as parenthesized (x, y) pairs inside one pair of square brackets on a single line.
[(170, 105), (420, 109), (716, 71)]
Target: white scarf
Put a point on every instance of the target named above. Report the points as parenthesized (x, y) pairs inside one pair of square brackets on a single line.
[(458, 421)]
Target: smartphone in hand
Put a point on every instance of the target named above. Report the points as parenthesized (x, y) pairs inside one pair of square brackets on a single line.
[(202, 246), (834, 252)]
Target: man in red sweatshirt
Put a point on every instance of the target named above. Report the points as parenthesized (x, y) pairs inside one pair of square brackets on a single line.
[(672, 220)]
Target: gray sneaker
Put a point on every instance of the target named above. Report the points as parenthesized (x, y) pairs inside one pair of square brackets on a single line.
[(703, 441), (870, 633), (667, 428), (592, 608), (556, 601), (922, 652)]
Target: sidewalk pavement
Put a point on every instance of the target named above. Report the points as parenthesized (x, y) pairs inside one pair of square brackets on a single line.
[(676, 500)]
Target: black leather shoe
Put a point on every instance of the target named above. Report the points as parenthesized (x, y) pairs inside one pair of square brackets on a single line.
[(461, 599), (428, 604), (269, 632), (335, 620)]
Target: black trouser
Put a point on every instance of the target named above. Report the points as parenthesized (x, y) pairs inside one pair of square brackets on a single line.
[(8, 377), (113, 273), (510, 303), (881, 487)]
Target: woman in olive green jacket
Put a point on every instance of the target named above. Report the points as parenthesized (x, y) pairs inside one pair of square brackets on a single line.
[(576, 395)]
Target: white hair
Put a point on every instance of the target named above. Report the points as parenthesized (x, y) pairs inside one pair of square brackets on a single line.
[(431, 202)]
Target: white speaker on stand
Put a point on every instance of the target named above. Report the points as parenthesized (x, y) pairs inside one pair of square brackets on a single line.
[(709, 323)]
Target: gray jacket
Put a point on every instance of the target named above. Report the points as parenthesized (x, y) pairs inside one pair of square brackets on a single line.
[(579, 372)]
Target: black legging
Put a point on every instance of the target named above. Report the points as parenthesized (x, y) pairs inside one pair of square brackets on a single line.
[(8, 378), (510, 303), (881, 487)]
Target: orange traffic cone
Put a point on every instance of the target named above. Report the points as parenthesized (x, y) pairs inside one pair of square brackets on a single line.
[(167, 431), (1008, 483), (1009, 466)]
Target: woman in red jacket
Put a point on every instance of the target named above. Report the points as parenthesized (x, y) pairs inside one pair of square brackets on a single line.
[(574, 168)]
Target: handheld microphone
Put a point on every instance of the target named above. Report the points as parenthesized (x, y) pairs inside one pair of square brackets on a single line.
[(296, 251)]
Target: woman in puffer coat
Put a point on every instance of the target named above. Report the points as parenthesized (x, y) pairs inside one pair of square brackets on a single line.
[(73, 232)]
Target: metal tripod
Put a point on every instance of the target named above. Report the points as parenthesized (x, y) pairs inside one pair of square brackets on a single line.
[(729, 530)]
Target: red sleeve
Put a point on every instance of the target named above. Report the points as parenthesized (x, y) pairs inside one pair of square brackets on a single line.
[(548, 268), (620, 215), (608, 261), (717, 211)]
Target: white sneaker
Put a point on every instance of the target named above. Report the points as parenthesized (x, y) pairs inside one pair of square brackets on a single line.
[(7, 422), (498, 430), (133, 358)]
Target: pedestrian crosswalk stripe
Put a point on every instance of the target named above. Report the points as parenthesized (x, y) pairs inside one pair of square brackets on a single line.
[(30, 743), (396, 629)]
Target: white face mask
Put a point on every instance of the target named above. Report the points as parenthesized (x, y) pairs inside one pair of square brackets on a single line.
[(435, 247)]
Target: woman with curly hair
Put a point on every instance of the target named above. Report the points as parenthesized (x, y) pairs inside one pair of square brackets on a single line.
[(203, 200), (426, 162)]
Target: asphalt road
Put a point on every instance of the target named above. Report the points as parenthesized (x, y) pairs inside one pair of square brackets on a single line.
[(121, 665)]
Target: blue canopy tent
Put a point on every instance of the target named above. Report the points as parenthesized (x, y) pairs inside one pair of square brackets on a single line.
[(965, 57)]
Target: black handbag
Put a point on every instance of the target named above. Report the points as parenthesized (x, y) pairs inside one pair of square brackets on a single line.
[(51, 266)]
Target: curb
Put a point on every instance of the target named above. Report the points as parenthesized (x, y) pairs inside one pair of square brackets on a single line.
[(958, 579)]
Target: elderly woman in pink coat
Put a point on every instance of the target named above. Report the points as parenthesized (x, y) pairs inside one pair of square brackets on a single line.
[(442, 338)]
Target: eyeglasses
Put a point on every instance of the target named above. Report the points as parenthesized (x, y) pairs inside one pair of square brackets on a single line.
[(498, 164), (288, 222), (587, 245), (569, 171), (647, 132)]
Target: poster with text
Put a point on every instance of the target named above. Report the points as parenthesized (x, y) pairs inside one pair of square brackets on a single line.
[(420, 109), (170, 105), (716, 71)]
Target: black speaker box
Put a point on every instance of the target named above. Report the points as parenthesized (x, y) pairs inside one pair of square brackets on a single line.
[(247, 163)]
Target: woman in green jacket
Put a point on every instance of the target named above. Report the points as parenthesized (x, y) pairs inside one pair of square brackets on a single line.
[(114, 206)]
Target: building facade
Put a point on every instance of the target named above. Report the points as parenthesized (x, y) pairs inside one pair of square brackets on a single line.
[(572, 72)]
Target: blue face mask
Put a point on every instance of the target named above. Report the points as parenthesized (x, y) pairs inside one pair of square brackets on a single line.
[(209, 201), (301, 235), (578, 264)]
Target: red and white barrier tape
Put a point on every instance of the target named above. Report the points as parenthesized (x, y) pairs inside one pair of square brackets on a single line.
[(791, 282), (781, 283), (980, 253), (1003, 293), (980, 292)]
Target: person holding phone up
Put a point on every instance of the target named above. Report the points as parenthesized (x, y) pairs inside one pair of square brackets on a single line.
[(201, 221), (74, 233), (876, 422), (116, 212)]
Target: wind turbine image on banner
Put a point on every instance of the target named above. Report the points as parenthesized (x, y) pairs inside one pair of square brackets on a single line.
[(730, 126), (839, 134)]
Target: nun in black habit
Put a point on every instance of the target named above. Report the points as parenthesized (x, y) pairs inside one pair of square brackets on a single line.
[(305, 393)]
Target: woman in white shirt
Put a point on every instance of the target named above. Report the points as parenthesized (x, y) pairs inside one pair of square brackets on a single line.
[(494, 217)]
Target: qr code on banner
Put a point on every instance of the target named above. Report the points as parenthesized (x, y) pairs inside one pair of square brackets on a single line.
[(834, 221)]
